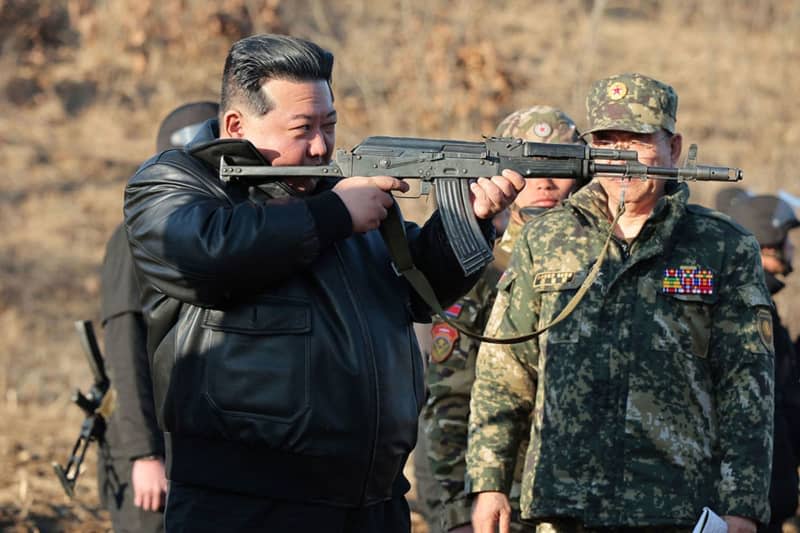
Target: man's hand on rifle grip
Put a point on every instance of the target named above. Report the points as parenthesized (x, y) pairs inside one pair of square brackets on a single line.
[(491, 196)]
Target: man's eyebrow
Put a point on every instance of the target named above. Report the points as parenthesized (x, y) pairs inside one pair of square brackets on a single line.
[(332, 114)]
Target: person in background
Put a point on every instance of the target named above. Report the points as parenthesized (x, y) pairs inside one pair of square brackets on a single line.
[(131, 478), (771, 220)]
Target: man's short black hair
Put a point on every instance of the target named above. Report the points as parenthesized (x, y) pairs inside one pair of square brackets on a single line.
[(254, 60)]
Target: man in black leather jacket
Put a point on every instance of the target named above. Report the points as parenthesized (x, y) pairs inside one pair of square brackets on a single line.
[(286, 372)]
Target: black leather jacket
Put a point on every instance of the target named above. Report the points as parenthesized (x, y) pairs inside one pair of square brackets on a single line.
[(283, 355)]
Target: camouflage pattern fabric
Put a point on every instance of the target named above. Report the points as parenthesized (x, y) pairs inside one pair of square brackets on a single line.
[(449, 380), (654, 397), (540, 123), (631, 102), (452, 369)]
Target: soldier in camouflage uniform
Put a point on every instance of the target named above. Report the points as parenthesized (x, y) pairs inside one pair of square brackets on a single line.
[(654, 397), (452, 366)]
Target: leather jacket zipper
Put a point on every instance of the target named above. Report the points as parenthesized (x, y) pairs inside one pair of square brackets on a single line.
[(365, 332)]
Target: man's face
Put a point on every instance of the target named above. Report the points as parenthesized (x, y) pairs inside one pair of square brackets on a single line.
[(655, 149), (299, 130), (544, 192), (778, 262)]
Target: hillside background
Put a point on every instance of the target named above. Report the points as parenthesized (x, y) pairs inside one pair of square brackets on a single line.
[(84, 84)]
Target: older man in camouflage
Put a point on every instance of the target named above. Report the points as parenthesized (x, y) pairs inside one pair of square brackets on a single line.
[(452, 367), (654, 397)]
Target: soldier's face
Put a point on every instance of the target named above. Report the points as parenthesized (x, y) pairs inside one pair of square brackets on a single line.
[(655, 149), (544, 192), (300, 129)]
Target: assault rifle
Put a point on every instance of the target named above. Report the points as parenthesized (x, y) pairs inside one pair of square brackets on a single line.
[(448, 166), (97, 404)]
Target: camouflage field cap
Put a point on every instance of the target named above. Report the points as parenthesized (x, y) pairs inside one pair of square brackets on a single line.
[(631, 102), (539, 123)]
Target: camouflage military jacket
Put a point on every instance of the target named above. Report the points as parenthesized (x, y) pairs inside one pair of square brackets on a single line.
[(449, 379), (654, 397)]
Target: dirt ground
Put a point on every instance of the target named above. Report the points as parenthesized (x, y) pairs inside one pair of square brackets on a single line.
[(84, 84)]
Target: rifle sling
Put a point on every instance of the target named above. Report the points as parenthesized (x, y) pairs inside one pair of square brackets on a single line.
[(394, 234)]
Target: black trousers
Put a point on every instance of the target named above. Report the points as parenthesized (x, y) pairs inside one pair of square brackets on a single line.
[(194, 509)]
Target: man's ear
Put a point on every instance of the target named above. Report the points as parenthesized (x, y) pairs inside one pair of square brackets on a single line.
[(676, 145), (232, 126)]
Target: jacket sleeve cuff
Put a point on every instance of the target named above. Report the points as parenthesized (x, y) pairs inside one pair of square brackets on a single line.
[(751, 507), (486, 480), (457, 513), (331, 218), (142, 448)]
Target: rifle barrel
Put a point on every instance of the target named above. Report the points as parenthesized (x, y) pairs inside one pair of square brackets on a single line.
[(695, 173)]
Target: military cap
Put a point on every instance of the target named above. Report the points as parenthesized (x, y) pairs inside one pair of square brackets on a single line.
[(729, 196), (539, 123), (767, 217), (631, 102), (182, 124)]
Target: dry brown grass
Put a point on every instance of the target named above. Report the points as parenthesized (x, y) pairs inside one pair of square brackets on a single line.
[(84, 84)]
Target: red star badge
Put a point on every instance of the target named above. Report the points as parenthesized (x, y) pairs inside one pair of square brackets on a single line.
[(617, 90), (543, 130)]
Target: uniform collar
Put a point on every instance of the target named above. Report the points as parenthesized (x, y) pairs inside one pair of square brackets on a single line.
[(592, 203)]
